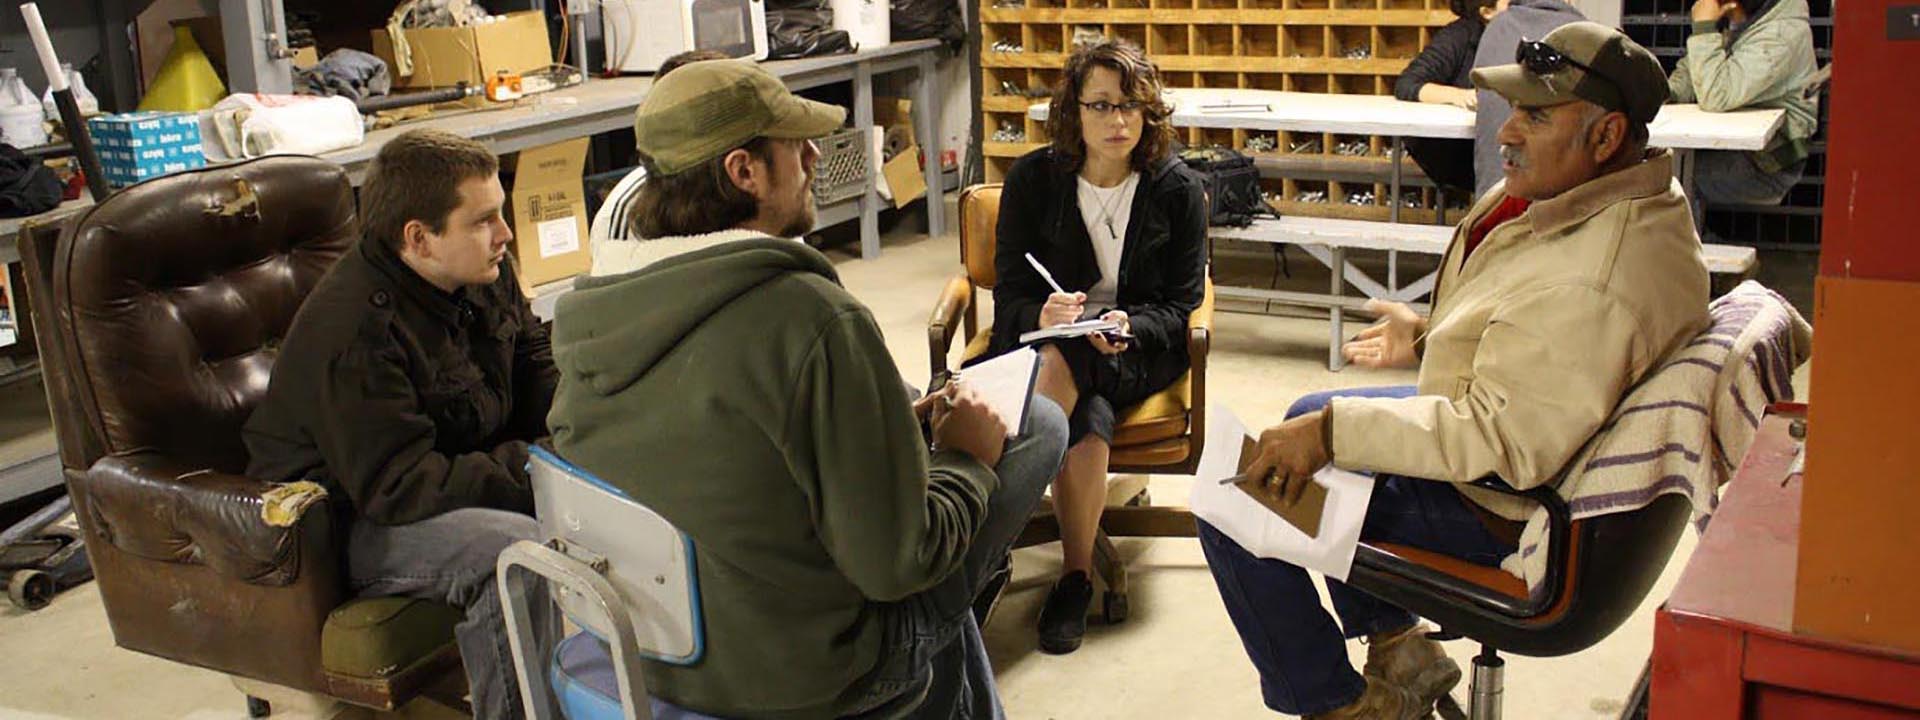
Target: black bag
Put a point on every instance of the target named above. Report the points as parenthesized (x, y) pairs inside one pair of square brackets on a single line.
[(803, 28), (26, 186), (924, 19), (1233, 185)]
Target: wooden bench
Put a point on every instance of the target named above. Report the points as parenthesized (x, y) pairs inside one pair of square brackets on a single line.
[(1329, 239)]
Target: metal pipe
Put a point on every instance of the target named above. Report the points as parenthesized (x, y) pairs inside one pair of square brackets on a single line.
[(1488, 687), (368, 106), (63, 98)]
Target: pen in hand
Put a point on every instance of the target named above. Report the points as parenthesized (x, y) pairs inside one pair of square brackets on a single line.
[(1044, 275)]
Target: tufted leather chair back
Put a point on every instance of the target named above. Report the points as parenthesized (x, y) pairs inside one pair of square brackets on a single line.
[(176, 293)]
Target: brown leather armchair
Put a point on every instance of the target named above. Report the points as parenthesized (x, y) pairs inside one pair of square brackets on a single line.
[(159, 313), (1163, 434)]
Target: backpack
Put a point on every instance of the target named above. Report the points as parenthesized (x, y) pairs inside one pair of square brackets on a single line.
[(1233, 185)]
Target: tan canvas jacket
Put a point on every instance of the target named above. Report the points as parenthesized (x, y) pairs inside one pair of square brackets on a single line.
[(1535, 339)]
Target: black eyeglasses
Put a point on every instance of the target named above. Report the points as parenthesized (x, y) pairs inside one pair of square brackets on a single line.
[(1106, 108)]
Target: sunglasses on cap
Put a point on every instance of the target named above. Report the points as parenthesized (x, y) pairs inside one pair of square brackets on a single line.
[(1542, 59)]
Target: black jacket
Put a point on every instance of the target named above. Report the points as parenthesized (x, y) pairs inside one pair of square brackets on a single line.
[(1163, 267), (410, 401), (1448, 60)]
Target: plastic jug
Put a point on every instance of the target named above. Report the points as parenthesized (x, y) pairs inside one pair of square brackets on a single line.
[(89, 105), (18, 127)]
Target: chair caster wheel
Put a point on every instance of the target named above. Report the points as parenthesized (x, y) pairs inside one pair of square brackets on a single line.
[(1114, 607), (30, 589), (258, 708)]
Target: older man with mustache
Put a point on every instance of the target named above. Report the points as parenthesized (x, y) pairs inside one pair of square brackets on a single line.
[(1564, 286)]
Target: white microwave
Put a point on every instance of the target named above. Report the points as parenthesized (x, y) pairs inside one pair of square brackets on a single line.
[(640, 34)]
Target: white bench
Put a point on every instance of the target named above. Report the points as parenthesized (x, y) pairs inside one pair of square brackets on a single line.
[(1328, 240)]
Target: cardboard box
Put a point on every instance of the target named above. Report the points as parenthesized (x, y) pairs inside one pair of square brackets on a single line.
[(141, 145), (904, 177), (902, 173), (549, 212), (444, 57)]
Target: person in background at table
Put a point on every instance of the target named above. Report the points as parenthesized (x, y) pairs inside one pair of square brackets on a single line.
[(1439, 75), (1563, 288), (1121, 224), (1756, 54), (611, 221), (1522, 20)]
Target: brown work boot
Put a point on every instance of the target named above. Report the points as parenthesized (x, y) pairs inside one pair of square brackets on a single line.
[(1412, 661), (1382, 701)]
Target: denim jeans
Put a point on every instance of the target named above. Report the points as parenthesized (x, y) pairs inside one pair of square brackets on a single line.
[(450, 558), (1730, 177), (935, 663), (1300, 653)]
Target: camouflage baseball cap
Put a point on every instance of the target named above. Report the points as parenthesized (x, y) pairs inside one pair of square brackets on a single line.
[(1581, 61), (705, 109)]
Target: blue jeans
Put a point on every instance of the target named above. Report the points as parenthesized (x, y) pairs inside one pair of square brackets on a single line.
[(935, 664), (1299, 651), (450, 558)]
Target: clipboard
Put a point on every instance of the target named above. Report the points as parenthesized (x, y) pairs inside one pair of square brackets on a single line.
[(1007, 385), (1304, 514)]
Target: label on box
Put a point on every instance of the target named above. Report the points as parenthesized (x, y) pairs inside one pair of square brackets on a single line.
[(558, 237)]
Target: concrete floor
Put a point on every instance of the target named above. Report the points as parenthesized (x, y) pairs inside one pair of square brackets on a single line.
[(1177, 657)]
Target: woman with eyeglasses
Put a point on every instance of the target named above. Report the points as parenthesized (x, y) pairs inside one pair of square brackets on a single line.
[(1119, 222)]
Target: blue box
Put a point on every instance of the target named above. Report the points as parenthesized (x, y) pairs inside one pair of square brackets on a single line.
[(138, 146)]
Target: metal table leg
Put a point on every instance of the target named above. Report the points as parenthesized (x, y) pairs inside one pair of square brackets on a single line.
[(1399, 151), (870, 198), (1335, 316), (926, 121)]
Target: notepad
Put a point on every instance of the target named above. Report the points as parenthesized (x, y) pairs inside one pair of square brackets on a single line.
[(1264, 530), (1303, 513), (1006, 384), (1070, 330)]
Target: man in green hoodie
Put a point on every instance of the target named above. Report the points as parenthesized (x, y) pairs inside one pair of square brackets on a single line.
[(1749, 54), (715, 370)]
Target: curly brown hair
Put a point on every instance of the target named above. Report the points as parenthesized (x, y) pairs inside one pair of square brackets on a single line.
[(1140, 77)]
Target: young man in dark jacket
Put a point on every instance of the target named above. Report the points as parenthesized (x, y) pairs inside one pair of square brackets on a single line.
[(715, 371), (409, 386)]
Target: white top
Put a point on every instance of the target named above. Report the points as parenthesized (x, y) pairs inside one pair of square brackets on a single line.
[(1683, 126), (1107, 211)]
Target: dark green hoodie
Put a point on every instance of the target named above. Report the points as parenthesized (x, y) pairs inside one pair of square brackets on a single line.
[(743, 394)]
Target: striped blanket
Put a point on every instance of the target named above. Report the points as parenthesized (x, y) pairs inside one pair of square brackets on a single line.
[(1686, 427)]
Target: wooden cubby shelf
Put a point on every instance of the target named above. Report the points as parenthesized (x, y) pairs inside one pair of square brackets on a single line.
[(1317, 46)]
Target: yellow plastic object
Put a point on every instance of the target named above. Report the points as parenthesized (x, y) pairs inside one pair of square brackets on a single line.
[(186, 81)]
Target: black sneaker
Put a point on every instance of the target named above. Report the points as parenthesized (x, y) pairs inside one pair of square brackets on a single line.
[(1064, 619)]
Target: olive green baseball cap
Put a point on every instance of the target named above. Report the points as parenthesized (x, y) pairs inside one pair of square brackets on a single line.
[(1581, 61), (705, 109)]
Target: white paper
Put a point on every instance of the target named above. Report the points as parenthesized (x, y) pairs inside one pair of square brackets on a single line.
[(1260, 531), (1005, 383), (558, 237)]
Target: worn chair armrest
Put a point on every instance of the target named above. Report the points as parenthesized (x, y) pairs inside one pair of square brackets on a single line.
[(152, 506), (945, 323), (1199, 343), (1382, 566)]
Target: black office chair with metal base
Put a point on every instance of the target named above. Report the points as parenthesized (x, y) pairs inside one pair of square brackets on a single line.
[(1600, 570)]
